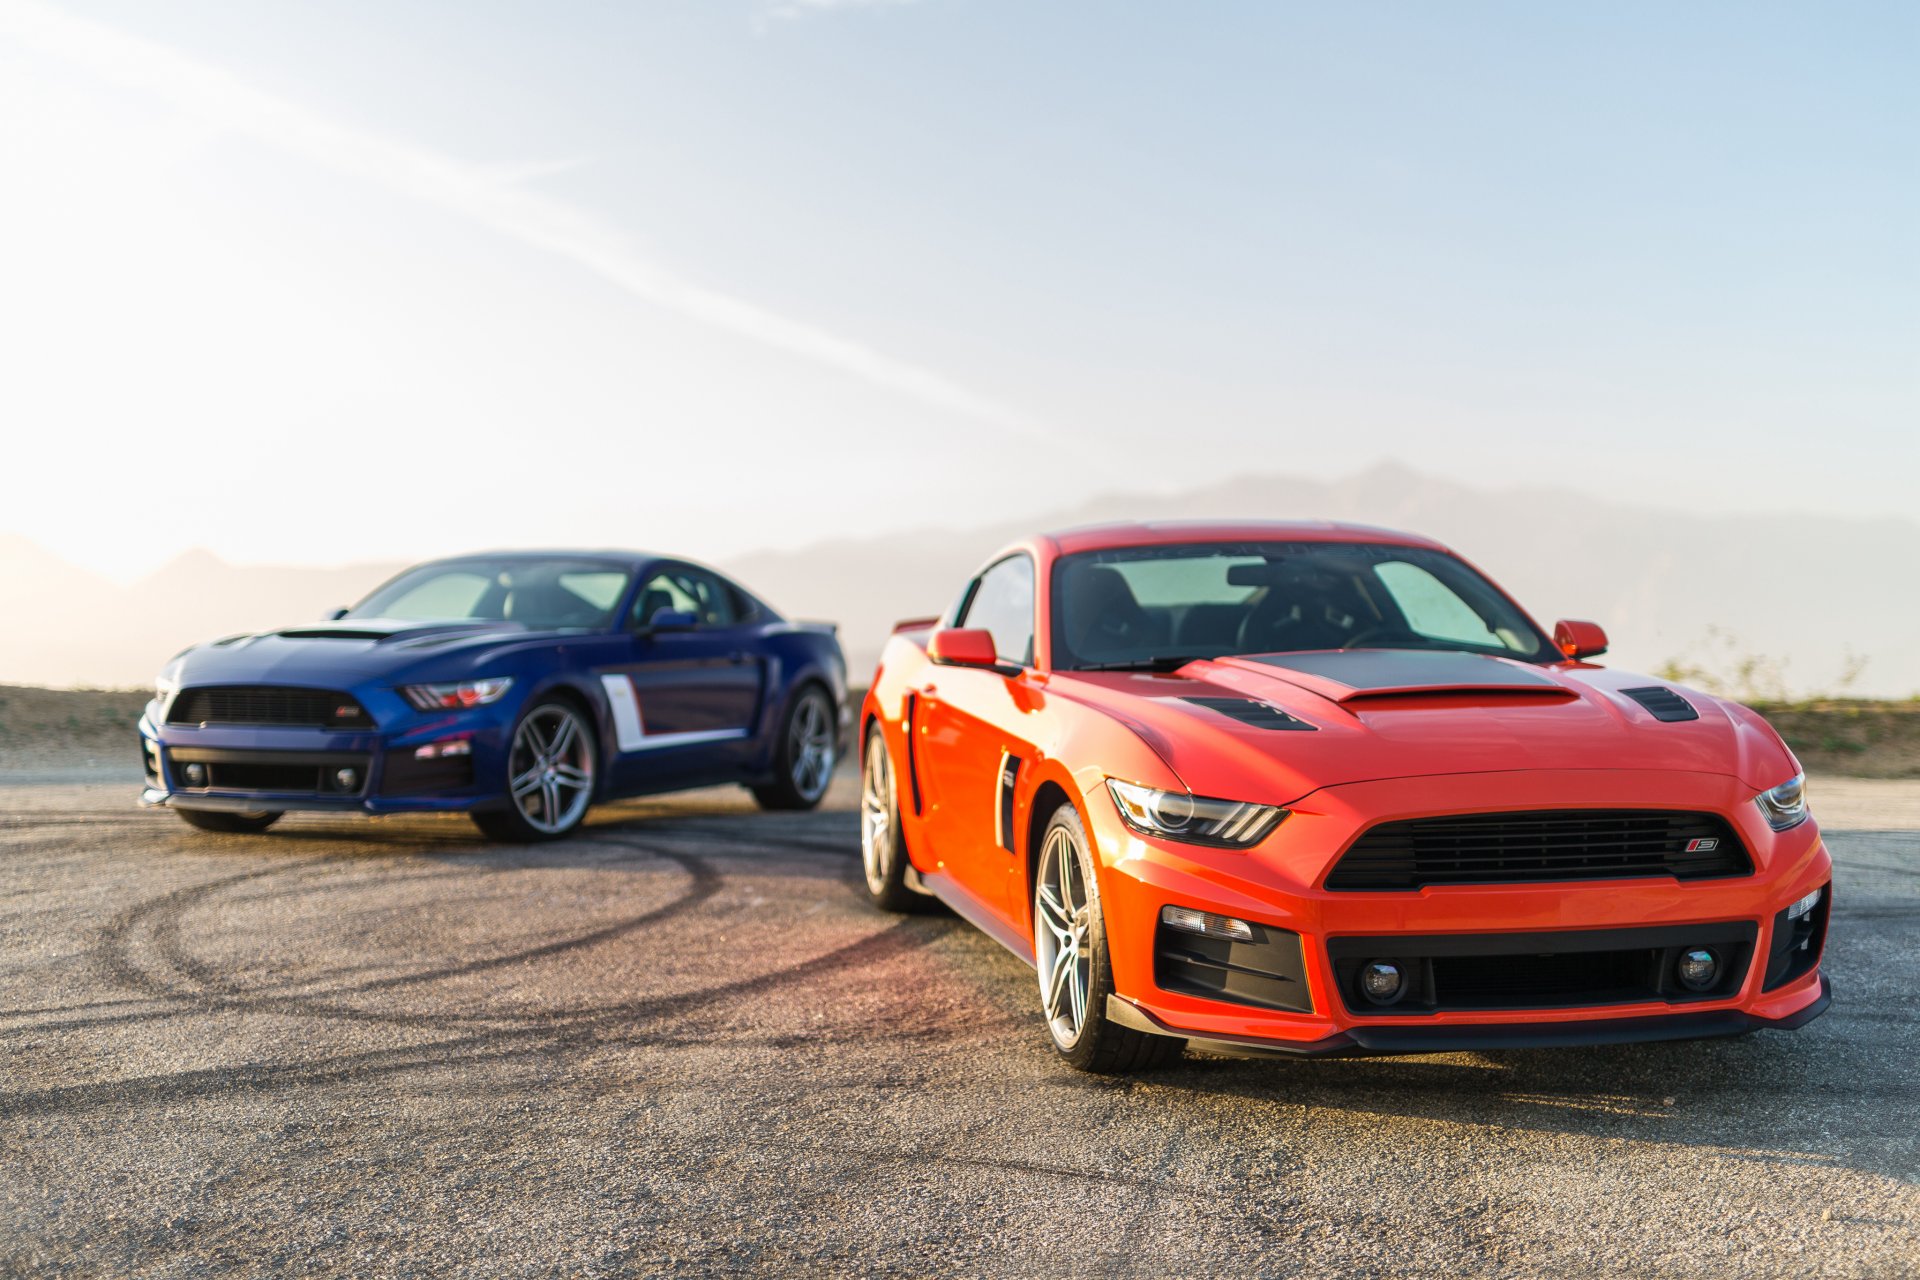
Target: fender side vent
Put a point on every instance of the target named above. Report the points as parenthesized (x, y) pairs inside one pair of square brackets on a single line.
[(1009, 775), (1261, 715), (913, 752), (1663, 702)]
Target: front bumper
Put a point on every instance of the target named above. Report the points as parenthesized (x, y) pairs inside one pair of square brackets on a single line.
[(1304, 1003), (1471, 1037), (291, 769)]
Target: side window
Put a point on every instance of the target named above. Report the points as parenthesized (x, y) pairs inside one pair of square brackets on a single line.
[(685, 591), (1003, 604)]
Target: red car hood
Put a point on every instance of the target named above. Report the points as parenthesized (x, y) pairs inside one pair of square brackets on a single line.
[(1367, 715)]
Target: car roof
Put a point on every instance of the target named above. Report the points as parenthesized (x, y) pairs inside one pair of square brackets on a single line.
[(1172, 532), (605, 555)]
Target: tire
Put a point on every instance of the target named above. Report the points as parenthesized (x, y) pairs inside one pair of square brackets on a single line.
[(883, 854), (228, 823), (1070, 948), (552, 764), (804, 754)]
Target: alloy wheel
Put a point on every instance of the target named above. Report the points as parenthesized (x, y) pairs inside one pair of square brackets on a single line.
[(551, 768), (1062, 917), (876, 813), (810, 746)]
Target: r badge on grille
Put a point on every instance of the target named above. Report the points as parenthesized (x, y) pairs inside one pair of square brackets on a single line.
[(1706, 844)]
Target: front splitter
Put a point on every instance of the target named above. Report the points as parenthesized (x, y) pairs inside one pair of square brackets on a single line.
[(1472, 1037)]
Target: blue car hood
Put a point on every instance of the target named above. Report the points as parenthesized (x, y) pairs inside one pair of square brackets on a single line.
[(337, 654)]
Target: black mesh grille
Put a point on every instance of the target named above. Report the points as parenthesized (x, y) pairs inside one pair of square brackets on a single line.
[(1561, 844), (268, 704)]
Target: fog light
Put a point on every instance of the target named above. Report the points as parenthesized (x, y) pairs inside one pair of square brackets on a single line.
[(349, 779), (1803, 906), (444, 750), (1206, 923), (1699, 969), (1382, 982), (196, 775)]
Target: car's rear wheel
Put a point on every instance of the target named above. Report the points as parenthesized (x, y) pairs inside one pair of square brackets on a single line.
[(1070, 946), (803, 755), (883, 853), (228, 823), (550, 776)]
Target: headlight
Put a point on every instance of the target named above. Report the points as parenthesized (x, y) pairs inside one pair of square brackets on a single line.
[(1177, 815), (457, 697), (163, 690), (1784, 806)]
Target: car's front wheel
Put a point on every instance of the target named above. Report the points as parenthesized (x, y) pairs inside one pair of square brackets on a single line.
[(1070, 947), (803, 755), (550, 775), (228, 823), (883, 852)]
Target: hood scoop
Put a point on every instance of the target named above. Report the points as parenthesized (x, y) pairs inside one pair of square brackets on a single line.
[(1663, 702), (1261, 715), (384, 630), (1354, 675)]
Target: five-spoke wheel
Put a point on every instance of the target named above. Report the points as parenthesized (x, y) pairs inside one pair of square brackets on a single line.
[(550, 774), (804, 754), (1070, 951)]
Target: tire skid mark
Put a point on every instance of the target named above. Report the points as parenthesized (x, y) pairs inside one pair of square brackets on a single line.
[(616, 1025), (164, 916)]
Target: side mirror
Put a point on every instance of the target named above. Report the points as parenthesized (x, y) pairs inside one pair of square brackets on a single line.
[(963, 647), (334, 615), (1579, 639), (669, 620)]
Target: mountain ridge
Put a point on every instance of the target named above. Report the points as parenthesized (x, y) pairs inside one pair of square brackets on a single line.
[(1813, 594)]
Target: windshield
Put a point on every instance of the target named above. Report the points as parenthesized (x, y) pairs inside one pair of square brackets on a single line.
[(544, 595), (1163, 605)]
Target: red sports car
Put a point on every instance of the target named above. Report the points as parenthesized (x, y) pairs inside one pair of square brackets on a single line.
[(1319, 789)]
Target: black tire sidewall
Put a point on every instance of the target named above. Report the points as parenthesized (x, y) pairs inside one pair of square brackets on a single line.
[(780, 791)]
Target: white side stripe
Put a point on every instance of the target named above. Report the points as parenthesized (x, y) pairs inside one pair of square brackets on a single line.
[(627, 730), (654, 740)]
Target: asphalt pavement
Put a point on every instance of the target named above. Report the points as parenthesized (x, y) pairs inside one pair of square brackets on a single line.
[(682, 1044)]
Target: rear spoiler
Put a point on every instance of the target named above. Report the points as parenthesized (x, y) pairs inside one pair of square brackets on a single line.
[(915, 624), (831, 628)]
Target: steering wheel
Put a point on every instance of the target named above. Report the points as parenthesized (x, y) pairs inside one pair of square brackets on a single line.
[(1381, 630)]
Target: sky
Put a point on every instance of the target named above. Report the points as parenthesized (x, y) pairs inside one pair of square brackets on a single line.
[(337, 280)]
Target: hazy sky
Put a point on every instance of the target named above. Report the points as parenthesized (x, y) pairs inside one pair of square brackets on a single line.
[(325, 281)]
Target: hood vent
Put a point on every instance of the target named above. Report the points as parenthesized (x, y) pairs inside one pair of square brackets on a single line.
[(1663, 702), (1261, 715)]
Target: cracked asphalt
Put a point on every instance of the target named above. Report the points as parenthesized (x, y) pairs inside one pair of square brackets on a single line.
[(682, 1044)]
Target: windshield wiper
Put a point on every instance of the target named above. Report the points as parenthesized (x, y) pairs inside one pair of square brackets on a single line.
[(1159, 662)]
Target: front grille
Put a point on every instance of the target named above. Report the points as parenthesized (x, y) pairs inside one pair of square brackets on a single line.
[(268, 704), (1556, 844), (195, 769), (1469, 973)]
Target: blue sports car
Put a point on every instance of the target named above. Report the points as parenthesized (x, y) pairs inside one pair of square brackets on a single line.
[(519, 688)]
